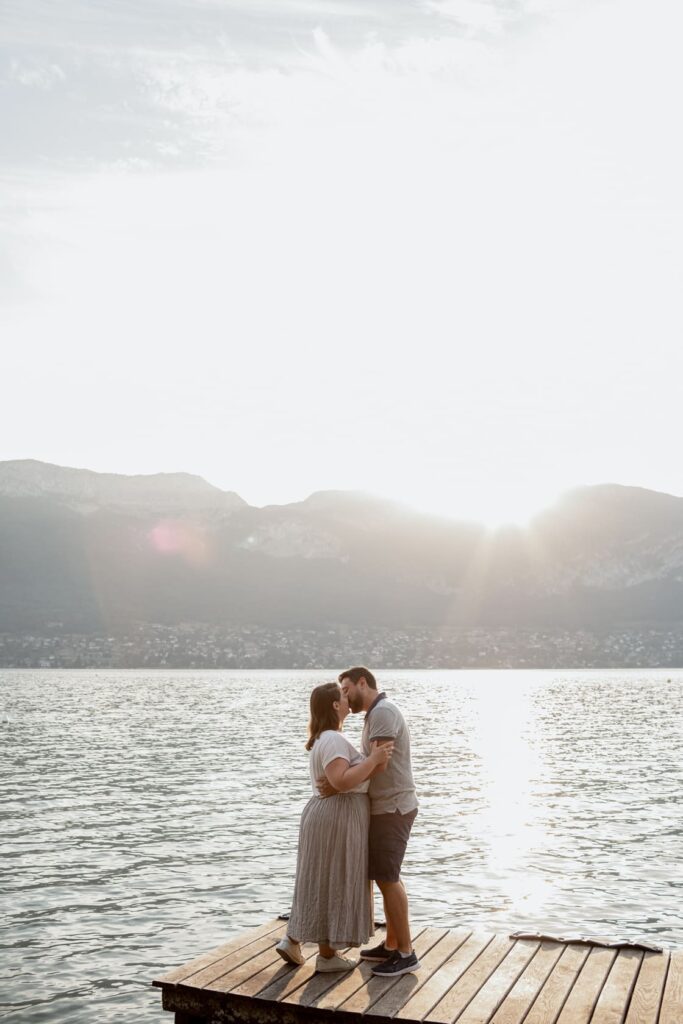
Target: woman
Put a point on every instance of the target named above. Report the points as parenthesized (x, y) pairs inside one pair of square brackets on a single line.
[(332, 899)]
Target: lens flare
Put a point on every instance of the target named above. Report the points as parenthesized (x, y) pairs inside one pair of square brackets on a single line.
[(175, 537)]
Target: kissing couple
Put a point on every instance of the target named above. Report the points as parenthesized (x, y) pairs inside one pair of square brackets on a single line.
[(354, 830)]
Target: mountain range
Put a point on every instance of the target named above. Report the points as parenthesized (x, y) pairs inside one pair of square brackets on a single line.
[(96, 550)]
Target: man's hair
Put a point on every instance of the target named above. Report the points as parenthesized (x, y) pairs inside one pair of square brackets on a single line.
[(323, 714), (354, 674)]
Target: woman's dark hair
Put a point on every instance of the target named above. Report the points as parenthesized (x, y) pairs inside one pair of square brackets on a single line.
[(354, 674), (323, 712)]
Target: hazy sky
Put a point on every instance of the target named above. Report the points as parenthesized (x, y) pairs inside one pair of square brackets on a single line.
[(427, 248)]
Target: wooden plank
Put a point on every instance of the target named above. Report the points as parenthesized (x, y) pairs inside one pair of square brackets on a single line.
[(284, 989), (493, 992), (584, 995), (419, 1005), (463, 979), (517, 1002), (375, 987), (319, 984), (239, 975), (671, 1011), (647, 994), (235, 959), (466, 988), (550, 1000), (269, 975), (615, 996), (184, 970), (196, 1002), (343, 988), (346, 987), (409, 984), (307, 985)]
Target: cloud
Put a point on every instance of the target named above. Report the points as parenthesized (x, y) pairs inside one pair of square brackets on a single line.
[(147, 80), (482, 17), (476, 15), (458, 251), (32, 74)]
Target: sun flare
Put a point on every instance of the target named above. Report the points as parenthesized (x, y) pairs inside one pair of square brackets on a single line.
[(492, 508)]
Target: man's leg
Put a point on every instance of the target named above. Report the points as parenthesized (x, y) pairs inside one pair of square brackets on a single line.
[(390, 941), (395, 900), (387, 845)]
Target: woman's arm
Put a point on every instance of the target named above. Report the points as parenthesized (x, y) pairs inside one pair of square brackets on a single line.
[(343, 777)]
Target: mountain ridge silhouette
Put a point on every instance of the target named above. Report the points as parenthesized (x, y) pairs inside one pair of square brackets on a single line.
[(87, 549)]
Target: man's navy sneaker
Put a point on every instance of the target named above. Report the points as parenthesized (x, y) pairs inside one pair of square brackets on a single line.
[(396, 965), (379, 953)]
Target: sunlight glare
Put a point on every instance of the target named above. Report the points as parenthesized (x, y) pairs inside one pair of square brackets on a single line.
[(509, 821), (491, 506)]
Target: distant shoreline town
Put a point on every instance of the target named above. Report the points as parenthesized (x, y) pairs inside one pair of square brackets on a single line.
[(202, 646)]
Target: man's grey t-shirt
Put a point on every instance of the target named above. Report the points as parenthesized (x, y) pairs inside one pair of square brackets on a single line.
[(392, 790)]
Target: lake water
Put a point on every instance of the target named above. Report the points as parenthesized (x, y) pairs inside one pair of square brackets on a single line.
[(148, 816)]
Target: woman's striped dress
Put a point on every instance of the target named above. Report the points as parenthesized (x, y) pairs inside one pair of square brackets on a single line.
[(332, 895)]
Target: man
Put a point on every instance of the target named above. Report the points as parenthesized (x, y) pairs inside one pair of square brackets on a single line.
[(393, 808)]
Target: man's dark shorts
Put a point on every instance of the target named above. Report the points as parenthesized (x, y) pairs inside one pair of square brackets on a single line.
[(388, 840)]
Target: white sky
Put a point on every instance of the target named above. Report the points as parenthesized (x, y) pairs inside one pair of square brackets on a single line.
[(427, 249)]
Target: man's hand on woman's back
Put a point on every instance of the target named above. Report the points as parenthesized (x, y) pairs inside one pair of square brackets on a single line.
[(325, 787)]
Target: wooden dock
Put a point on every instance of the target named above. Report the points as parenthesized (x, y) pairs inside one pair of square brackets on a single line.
[(471, 977)]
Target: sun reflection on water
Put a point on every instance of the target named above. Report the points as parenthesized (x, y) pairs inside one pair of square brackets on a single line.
[(509, 818)]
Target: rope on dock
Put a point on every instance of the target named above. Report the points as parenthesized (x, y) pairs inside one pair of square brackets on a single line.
[(584, 940)]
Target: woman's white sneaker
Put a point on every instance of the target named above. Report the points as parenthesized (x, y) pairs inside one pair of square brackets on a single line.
[(334, 963), (290, 951)]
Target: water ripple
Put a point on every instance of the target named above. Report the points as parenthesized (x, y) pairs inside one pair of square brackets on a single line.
[(147, 816)]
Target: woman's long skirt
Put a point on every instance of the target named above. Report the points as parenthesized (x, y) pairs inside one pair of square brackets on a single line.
[(332, 895)]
